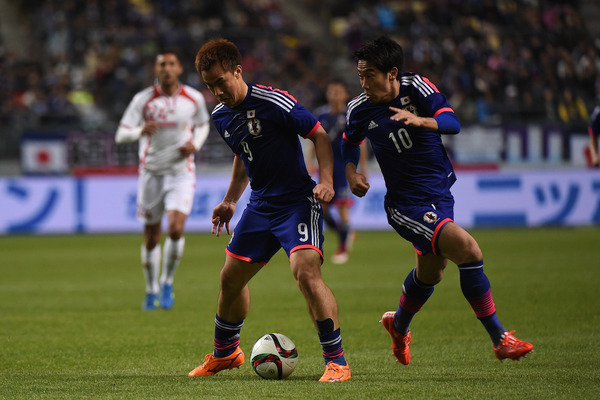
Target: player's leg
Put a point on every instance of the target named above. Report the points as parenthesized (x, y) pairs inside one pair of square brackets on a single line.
[(322, 305), (150, 257), (233, 304), (299, 228), (172, 252), (416, 290), (150, 211), (343, 228), (232, 309), (328, 218), (179, 197), (459, 246), (420, 225), (250, 248)]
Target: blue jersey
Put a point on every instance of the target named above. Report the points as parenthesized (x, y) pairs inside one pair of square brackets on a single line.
[(413, 161), (335, 124), (263, 130)]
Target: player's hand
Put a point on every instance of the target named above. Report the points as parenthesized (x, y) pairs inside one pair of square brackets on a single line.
[(221, 216), (150, 128), (358, 184), (187, 149), (323, 192), (406, 117)]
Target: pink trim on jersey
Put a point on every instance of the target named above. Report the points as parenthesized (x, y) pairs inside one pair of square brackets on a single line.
[(184, 93), (283, 92), (125, 126), (313, 130), (347, 140), (247, 259), (145, 153), (437, 231), (444, 109), (427, 81), (307, 246), (155, 95)]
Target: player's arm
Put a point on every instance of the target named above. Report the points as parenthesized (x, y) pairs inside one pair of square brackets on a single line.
[(199, 135), (126, 134), (364, 158), (444, 123), (351, 154), (324, 189), (224, 211)]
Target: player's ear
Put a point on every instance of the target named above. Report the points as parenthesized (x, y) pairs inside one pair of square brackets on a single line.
[(237, 71), (393, 74)]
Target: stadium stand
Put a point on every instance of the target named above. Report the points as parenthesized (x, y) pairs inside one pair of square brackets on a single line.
[(85, 59)]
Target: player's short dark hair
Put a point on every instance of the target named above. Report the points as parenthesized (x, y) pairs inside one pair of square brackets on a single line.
[(220, 51), (383, 52), (169, 51)]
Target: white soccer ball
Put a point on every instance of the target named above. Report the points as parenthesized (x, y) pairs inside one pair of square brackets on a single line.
[(274, 356)]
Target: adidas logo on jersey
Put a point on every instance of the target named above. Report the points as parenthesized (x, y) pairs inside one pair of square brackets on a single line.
[(226, 134), (372, 125)]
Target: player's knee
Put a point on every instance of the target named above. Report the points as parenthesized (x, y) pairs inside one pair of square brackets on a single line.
[(470, 252), (229, 282), (151, 242), (175, 234), (307, 281)]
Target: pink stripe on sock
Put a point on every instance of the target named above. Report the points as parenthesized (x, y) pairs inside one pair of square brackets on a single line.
[(483, 305), (410, 305)]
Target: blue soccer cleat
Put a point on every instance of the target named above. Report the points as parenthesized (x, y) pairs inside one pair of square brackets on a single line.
[(167, 297), (150, 302)]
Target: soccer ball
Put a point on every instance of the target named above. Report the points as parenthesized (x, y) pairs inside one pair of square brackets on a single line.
[(274, 356)]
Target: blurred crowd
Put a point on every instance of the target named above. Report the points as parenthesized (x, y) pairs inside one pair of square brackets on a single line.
[(504, 61), (90, 57)]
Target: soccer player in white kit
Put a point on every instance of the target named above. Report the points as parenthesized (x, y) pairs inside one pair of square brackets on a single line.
[(171, 122)]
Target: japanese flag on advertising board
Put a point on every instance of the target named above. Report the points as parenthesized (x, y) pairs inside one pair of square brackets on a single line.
[(44, 156)]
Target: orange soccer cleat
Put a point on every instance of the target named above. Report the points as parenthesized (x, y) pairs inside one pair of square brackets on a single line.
[(399, 342), (212, 364), (511, 347), (335, 373)]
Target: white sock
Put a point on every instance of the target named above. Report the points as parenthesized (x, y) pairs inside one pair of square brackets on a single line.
[(172, 251), (151, 267)]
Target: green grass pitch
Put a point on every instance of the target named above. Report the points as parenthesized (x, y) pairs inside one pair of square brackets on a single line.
[(71, 325)]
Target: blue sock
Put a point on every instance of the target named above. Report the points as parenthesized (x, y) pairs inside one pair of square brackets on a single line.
[(477, 290), (414, 294), (227, 336), (331, 341)]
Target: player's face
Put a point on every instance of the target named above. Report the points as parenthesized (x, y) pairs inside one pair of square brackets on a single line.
[(378, 86), (168, 68), (336, 93), (228, 87)]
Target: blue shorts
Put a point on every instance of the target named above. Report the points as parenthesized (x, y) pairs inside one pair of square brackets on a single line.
[(265, 227), (421, 224)]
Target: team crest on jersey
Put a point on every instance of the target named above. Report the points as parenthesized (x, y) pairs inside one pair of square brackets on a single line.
[(412, 109), (253, 122), (430, 217)]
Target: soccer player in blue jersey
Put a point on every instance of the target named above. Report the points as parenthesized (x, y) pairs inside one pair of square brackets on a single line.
[(404, 115), (333, 119), (261, 125)]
